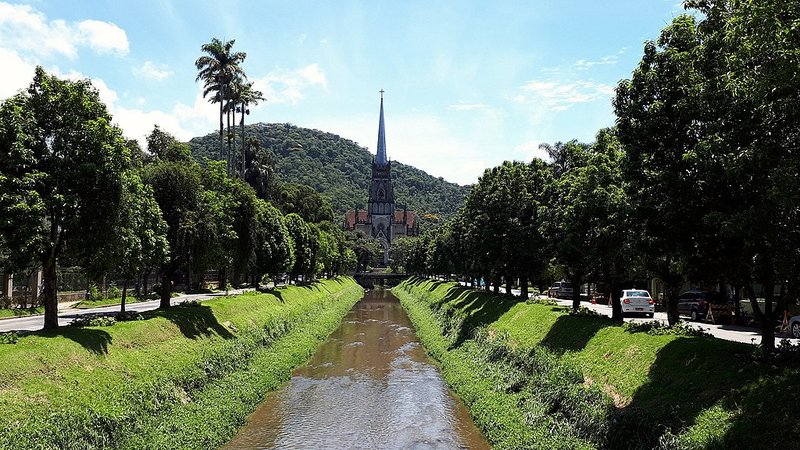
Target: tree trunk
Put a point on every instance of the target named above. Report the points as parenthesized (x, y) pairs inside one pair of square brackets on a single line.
[(49, 295), (124, 295), (166, 280), (230, 152), (616, 304), (241, 115), (509, 284), (671, 292), (221, 134), (768, 323), (523, 287), (576, 280), (496, 285)]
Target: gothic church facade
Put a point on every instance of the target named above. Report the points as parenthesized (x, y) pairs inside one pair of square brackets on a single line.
[(382, 219)]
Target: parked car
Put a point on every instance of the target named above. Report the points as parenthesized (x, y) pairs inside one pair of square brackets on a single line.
[(637, 301), (560, 289), (694, 303), (794, 326)]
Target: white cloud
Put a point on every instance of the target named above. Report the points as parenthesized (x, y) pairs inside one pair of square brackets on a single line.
[(103, 37), (15, 75), (466, 106), (557, 95), (530, 150), (583, 64), (152, 71), (288, 86), (25, 30)]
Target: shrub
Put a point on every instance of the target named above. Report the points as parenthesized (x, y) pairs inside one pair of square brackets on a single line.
[(114, 291), (9, 337), (189, 304), (125, 316), (583, 311), (93, 320), (656, 328), (541, 301), (95, 293)]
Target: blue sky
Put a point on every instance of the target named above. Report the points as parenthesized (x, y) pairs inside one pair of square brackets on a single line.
[(468, 84)]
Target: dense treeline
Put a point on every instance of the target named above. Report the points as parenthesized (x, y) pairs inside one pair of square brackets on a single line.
[(697, 182), (340, 169), (74, 192)]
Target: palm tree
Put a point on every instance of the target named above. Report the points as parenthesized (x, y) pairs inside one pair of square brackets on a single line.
[(246, 96), (218, 68)]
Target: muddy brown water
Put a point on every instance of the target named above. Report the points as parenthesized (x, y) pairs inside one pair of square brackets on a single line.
[(370, 386)]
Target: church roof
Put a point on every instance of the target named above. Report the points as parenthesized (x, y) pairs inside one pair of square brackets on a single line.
[(411, 217), (350, 217), (381, 159)]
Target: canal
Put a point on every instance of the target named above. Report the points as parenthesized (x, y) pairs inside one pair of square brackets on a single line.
[(370, 386)]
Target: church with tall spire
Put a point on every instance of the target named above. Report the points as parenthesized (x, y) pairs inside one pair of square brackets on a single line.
[(382, 219)]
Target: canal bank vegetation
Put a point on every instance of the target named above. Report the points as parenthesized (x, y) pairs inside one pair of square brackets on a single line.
[(180, 378), (695, 185), (537, 376)]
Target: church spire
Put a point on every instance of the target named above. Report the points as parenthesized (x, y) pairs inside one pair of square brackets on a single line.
[(381, 160)]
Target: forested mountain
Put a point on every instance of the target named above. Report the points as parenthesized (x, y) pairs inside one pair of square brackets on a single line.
[(340, 169)]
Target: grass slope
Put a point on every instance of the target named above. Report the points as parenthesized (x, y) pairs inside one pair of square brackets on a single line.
[(182, 378), (593, 383)]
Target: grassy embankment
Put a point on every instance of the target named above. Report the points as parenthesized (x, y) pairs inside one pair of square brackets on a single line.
[(8, 313), (88, 304), (535, 376), (182, 378)]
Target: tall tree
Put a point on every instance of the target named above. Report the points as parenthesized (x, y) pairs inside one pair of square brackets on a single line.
[(217, 69), (658, 124), (61, 172), (246, 97), (274, 246)]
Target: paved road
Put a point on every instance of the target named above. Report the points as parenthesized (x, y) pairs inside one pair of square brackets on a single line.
[(66, 315), (736, 333)]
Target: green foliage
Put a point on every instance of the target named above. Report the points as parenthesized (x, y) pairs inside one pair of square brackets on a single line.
[(304, 245), (182, 378), (9, 337), (528, 369), (656, 328), (541, 301), (340, 170), (126, 316), (93, 320), (61, 169)]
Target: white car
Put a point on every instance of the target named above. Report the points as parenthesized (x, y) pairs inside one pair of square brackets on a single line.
[(637, 301)]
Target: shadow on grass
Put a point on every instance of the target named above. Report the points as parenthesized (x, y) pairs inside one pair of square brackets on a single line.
[(572, 333), (693, 374), (194, 321), (93, 340), (477, 308)]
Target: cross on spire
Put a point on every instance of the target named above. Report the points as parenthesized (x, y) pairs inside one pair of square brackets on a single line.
[(381, 91)]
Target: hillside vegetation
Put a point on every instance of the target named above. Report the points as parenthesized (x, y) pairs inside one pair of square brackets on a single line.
[(535, 376), (340, 169), (180, 378)]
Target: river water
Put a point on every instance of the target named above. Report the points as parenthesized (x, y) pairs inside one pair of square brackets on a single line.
[(370, 386)]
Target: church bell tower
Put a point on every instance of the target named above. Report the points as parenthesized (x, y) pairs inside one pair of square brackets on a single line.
[(381, 204)]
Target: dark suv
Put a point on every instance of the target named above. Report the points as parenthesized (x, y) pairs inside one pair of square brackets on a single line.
[(694, 303)]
